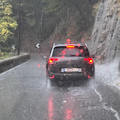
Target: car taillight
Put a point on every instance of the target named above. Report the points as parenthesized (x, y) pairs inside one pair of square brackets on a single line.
[(70, 46), (51, 60), (89, 60)]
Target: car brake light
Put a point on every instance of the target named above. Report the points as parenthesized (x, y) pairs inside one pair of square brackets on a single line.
[(51, 60), (70, 46), (89, 60)]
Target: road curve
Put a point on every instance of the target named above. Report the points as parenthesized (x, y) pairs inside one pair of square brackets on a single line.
[(26, 95)]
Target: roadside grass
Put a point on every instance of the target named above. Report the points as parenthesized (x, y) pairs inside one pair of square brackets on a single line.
[(6, 55)]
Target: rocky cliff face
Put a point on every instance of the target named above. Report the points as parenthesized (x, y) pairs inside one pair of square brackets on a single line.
[(105, 42)]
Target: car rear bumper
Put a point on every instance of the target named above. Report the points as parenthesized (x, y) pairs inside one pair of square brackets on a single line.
[(66, 75)]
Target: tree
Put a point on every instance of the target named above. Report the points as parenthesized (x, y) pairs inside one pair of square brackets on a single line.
[(38, 19), (30, 17), (7, 22)]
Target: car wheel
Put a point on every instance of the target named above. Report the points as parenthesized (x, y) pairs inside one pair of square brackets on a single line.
[(92, 73)]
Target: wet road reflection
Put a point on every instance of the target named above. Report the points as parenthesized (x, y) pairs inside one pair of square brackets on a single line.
[(25, 95), (50, 108), (68, 110), (53, 113), (64, 102), (76, 101)]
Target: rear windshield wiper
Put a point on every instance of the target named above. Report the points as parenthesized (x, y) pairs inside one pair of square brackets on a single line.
[(76, 55)]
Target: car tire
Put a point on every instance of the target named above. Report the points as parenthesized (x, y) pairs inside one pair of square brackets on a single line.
[(92, 72)]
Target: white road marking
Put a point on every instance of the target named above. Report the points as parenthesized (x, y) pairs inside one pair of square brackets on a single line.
[(100, 97), (107, 107), (112, 110)]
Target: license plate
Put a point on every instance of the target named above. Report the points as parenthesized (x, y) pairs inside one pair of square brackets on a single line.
[(71, 70)]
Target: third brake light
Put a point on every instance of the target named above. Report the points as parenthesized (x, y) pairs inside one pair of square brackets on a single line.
[(70, 46)]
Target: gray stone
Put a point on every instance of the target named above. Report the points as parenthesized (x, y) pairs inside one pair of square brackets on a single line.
[(105, 41)]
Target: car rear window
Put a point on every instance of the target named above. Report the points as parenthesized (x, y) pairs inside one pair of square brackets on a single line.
[(70, 52)]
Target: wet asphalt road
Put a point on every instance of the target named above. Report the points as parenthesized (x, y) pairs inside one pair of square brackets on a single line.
[(26, 95)]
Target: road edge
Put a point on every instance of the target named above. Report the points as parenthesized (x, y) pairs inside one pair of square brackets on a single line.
[(13, 61)]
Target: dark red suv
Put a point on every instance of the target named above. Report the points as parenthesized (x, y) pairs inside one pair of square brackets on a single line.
[(69, 61)]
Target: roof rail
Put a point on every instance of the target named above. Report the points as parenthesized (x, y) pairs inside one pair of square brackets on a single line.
[(53, 44)]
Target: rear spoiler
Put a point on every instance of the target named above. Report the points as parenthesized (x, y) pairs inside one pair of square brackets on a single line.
[(85, 44)]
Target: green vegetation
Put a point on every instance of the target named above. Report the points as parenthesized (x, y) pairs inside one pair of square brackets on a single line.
[(5, 55), (35, 21), (59, 10), (7, 23)]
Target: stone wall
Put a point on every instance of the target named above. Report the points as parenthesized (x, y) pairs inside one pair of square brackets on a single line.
[(105, 42), (12, 62)]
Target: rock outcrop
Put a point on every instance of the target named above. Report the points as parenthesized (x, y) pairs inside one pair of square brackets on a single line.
[(105, 42)]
